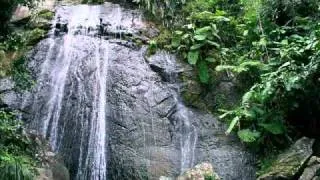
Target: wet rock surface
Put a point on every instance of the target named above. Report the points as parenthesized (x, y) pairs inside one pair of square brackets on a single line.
[(291, 162), (312, 170), (111, 112)]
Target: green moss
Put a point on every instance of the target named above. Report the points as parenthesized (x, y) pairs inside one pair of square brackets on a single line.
[(164, 38), (21, 75), (46, 14), (266, 162), (34, 36)]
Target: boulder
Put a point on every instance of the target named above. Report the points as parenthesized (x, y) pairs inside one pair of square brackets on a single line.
[(21, 13), (6, 84), (44, 174), (161, 63), (59, 171), (291, 162), (312, 171), (55, 171), (200, 172)]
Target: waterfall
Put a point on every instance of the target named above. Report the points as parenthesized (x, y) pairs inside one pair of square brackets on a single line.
[(63, 65), (110, 111), (181, 114), (188, 138)]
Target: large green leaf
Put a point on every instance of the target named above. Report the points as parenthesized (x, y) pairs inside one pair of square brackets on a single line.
[(200, 37), (196, 46), (193, 57), (178, 32), (248, 136), (203, 31), (213, 43), (203, 72), (175, 42), (233, 123)]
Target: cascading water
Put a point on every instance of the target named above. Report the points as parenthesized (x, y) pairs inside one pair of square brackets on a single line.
[(180, 113), (62, 65), (188, 138), (111, 112)]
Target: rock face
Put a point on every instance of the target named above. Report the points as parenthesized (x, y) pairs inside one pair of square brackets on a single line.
[(111, 112), (289, 163), (200, 172), (312, 171), (20, 13)]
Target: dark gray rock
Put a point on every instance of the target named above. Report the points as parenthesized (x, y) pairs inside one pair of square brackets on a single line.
[(289, 163), (312, 171), (6, 84), (161, 63)]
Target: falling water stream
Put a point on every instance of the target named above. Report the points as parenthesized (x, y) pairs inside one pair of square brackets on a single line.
[(108, 110), (62, 61)]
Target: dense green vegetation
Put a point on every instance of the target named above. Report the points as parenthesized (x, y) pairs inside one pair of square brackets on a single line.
[(269, 48), (17, 38), (17, 150)]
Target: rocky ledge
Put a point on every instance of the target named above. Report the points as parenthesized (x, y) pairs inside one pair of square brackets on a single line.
[(295, 163)]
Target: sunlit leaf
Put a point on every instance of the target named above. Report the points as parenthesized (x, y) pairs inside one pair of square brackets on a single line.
[(193, 57), (248, 136), (196, 46), (200, 37), (233, 123)]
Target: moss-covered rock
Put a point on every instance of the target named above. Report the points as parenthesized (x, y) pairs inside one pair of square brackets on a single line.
[(290, 163), (46, 14), (192, 89), (41, 20), (35, 36), (21, 14), (59, 171)]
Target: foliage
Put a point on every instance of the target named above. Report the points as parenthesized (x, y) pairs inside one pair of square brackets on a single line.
[(21, 75), (15, 167), (293, 63), (200, 41), (16, 149), (271, 51), (165, 9), (13, 61), (208, 177)]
